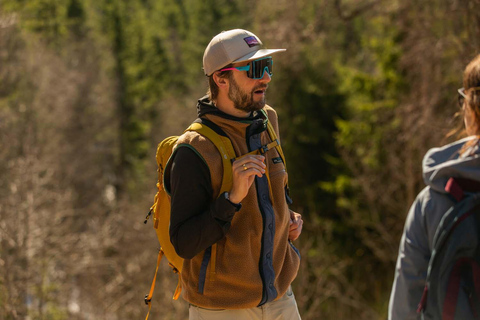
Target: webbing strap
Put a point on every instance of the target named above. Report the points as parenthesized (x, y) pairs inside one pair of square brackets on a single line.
[(261, 150), (458, 186), (274, 144), (148, 297), (149, 308), (273, 137), (454, 189), (423, 301), (213, 261), (178, 290), (203, 269), (453, 288)]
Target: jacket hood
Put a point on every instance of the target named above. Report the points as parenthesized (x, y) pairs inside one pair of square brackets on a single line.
[(440, 164), (205, 106)]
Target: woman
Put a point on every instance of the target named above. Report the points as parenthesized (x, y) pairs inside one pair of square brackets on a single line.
[(460, 159)]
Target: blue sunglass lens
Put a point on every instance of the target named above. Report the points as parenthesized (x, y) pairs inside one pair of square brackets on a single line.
[(259, 67)]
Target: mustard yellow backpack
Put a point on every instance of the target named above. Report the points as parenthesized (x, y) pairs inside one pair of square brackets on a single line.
[(161, 206)]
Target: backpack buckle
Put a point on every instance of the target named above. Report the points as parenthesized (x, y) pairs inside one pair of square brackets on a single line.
[(148, 216), (147, 301)]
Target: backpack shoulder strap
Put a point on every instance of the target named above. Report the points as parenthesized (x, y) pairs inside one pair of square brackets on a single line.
[(457, 188), (273, 137), (223, 144)]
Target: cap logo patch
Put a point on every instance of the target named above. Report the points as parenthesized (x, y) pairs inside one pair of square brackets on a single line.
[(251, 41)]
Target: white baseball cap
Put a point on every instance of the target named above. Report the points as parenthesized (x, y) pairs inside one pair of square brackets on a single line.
[(233, 46)]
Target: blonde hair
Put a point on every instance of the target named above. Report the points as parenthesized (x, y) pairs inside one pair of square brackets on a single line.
[(471, 83)]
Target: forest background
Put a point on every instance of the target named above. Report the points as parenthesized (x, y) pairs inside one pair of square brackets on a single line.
[(89, 87)]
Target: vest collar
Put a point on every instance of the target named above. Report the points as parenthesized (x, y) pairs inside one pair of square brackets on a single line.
[(255, 123)]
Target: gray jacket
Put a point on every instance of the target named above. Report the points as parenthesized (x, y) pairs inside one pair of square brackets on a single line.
[(439, 164)]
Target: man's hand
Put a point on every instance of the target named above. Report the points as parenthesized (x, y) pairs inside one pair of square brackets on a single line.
[(244, 171), (296, 224)]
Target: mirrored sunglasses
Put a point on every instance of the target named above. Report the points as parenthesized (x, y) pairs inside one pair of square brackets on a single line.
[(256, 68)]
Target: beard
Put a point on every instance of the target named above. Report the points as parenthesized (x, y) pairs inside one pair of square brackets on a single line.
[(243, 100)]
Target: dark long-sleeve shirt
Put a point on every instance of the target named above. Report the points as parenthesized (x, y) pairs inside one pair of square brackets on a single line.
[(196, 222)]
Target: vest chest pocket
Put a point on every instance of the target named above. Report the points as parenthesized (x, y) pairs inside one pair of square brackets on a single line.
[(276, 169), (278, 177)]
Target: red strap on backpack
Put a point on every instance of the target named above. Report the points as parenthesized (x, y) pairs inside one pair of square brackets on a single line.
[(453, 289), (423, 301), (457, 187)]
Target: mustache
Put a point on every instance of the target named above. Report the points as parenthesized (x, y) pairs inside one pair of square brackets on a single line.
[(260, 87)]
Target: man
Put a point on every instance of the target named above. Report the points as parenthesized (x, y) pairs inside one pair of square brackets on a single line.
[(248, 275)]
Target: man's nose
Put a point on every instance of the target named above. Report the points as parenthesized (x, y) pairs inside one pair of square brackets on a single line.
[(266, 77)]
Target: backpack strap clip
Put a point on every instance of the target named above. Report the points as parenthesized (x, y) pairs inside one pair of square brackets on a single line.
[(269, 146)]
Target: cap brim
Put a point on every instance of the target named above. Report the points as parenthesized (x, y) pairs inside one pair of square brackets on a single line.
[(258, 54)]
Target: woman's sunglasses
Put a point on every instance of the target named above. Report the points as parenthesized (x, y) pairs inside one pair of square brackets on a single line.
[(462, 96), (256, 68)]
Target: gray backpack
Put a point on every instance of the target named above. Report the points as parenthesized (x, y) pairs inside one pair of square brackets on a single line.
[(452, 289)]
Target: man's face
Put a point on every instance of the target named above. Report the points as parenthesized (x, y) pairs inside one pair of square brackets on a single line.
[(247, 94)]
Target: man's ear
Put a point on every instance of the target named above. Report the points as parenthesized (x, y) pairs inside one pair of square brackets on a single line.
[(222, 82)]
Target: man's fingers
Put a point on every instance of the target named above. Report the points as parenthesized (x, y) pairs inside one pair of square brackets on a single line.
[(249, 161), (295, 230), (293, 235), (296, 224), (253, 168), (250, 168)]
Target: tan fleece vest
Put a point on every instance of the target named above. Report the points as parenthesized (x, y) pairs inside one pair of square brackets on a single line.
[(237, 283)]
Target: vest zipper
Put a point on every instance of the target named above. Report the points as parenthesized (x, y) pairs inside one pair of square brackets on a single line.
[(268, 289)]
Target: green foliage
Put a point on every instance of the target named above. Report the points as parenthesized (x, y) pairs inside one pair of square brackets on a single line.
[(373, 88)]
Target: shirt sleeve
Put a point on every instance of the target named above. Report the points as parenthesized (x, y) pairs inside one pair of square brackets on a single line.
[(412, 264), (196, 220)]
